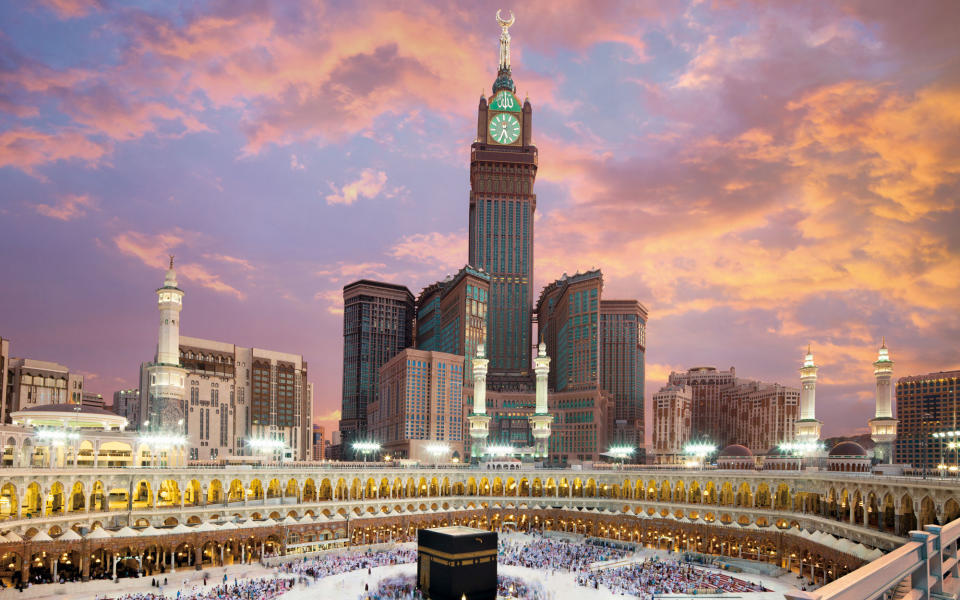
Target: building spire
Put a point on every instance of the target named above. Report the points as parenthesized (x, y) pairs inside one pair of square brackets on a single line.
[(171, 261), (504, 80)]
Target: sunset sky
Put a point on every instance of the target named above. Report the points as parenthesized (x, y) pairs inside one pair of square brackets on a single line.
[(761, 175)]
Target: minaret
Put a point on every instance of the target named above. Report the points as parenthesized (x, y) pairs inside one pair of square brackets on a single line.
[(478, 419), (883, 427), (541, 420), (808, 427), (165, 402)]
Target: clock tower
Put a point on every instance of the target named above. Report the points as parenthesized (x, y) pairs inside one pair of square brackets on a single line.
[(503, 168)]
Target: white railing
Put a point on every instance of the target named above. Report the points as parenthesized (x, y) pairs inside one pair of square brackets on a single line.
[(928, 562)]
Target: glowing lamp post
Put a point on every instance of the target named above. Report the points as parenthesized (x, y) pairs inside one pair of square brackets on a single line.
[(499, 450), (698, 451), (365, 448), (438, 450), (621, 453), (158, 442), (262, 446)]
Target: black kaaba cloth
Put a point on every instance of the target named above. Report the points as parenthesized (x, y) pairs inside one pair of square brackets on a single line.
[(457, 561)]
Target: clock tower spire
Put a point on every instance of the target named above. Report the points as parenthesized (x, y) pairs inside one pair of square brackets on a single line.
[(504, 79)]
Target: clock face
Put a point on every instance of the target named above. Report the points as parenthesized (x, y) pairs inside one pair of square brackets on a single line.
[(504, 128)]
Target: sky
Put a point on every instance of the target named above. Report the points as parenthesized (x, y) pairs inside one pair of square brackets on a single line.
[(760, 175)]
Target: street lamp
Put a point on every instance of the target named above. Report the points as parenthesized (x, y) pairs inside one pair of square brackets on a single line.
[(266, 445), (621, 452), (438, 450), (162, 441), (699, 451), (366, 448)]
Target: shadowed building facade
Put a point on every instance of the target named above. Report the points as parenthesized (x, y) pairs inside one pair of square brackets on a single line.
[(377, 325), (623, 343), (420, 404), (926, 405), (452, 316)]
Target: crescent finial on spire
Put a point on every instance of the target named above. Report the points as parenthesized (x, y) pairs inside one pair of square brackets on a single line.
[(171, 261), (505, 22)]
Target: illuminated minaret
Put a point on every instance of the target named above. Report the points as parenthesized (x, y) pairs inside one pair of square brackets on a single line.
[(165, 377), (807, 426), (883, 427), (478, 419), (541, 420)]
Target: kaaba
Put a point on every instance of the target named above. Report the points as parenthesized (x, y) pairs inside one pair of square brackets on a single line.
[(457, 562)]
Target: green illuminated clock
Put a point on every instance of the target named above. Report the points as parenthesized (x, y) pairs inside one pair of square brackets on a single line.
[(504, 128)]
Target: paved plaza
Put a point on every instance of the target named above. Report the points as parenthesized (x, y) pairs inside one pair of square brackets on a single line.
[(559, 585)]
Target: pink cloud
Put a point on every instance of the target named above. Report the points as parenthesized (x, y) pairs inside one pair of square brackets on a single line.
[(435, 250), (72, 9), (153, 251), (68, 207), (28, 149), (368, 185)]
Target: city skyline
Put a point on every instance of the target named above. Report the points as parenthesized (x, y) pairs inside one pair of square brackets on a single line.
[(819, 213)]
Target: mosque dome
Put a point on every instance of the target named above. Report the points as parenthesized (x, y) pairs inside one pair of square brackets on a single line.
[(736, 450), (848, 449)]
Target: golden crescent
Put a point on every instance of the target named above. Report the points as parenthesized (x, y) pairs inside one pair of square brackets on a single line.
[(504, 23)]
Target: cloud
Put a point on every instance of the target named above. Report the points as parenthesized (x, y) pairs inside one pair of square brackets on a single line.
[(28, 149), (72, 9), (447, 251), (369, 185), (333, 299), (153, 251), (295, 164), (344, 271), (68, 207)]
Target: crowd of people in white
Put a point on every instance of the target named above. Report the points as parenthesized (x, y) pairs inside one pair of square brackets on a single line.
[(642, 579)]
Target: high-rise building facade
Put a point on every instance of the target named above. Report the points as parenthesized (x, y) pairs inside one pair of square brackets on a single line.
[(126, 403), (568, 317), (452, 316), (32, 383), (672, 422), (725, 410), (377, 325), (503, 168), (420, 404), (5, 409), (927, 404), (319, 443), (763, 414), (92, 399), (236, 396), (710, 418), (623, 333)]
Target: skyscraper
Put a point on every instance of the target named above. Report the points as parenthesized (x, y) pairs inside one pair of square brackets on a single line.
[(420, 405), (709, 418), (452, 316), (503, 168), (377, 325), (568, 316), (926, 405), (623, 332)]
